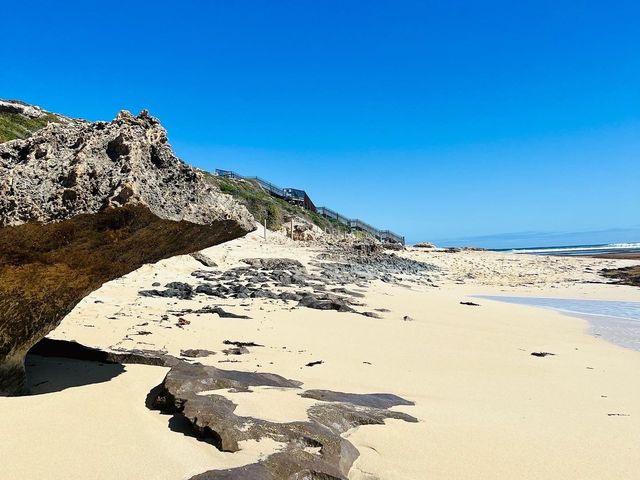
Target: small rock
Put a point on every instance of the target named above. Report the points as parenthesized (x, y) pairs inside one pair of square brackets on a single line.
[(182, 322), (203, 259), (196, 353)]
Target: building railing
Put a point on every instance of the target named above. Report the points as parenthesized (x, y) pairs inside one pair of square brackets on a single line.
[(354, 223)]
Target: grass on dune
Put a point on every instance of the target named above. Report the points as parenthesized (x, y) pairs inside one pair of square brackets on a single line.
[(262, 205), (13, 125)]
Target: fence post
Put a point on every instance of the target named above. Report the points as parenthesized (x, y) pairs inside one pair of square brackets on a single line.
[(291, 228)]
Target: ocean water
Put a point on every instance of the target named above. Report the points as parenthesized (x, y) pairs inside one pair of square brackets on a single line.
[(577, 249), (615, 321)]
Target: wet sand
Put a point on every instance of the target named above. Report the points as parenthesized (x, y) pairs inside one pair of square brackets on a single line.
[(617, 322), (619, 256)]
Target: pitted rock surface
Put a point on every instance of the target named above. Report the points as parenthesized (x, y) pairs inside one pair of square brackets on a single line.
[(64, 170), (83, 203)]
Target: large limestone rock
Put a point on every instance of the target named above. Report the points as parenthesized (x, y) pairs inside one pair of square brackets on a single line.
[(82, 203), (81, 167)]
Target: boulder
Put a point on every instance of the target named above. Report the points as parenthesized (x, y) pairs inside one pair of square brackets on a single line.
[(83, 203)]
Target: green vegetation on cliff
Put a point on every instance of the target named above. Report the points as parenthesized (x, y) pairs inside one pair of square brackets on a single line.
[(262, 205), (14, 125)]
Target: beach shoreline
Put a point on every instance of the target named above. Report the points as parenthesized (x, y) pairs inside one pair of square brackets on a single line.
[(478, 392)]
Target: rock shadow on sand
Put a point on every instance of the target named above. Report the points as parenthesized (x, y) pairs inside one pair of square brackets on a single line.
[(55, 374)]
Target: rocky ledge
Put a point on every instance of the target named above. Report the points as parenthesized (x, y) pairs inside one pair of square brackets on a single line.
[(312, 449), (83, 203)]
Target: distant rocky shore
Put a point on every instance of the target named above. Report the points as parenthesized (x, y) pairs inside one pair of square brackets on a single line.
[(624, 275)]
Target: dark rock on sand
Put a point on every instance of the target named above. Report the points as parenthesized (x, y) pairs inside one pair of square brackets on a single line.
[(235, 351), (211, 309), (221, 312), (349, 265), (625, 275), (359, 263), (290, 296), (213, 418), (325, 303), (274, 263), (238, 348), (209, 289), (180, 290), (242, 344), (374, 400), (203, 259), (313, 364), (196, 353), (83, 203), (350, 293), (427, 245)]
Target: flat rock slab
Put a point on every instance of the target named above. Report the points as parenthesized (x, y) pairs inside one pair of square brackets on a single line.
[(313, 449), (196, 353), (374, 400)]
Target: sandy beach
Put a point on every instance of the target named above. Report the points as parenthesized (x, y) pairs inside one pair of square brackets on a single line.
[(487, 408), (320, 241)]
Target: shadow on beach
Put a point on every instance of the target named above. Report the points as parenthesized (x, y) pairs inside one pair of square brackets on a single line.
[(55, 374)]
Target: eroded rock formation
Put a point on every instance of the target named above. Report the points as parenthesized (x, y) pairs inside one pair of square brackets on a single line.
[(312, 449), (82, 203)]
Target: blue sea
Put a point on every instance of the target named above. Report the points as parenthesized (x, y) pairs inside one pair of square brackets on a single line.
[(577, 249), (615, 321)]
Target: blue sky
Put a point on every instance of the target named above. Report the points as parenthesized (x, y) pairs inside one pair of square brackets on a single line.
[(493, 123)]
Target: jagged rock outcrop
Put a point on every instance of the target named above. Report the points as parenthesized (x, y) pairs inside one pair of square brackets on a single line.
[(82, 203), (81, 167)]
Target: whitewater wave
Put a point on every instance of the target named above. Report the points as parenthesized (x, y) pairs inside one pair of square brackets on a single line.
[(622, 247)]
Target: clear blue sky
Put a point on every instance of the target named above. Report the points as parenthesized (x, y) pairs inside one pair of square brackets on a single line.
[(494, 123)]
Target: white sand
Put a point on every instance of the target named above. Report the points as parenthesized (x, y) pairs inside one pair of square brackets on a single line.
[(102, 431), (487, 408)]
